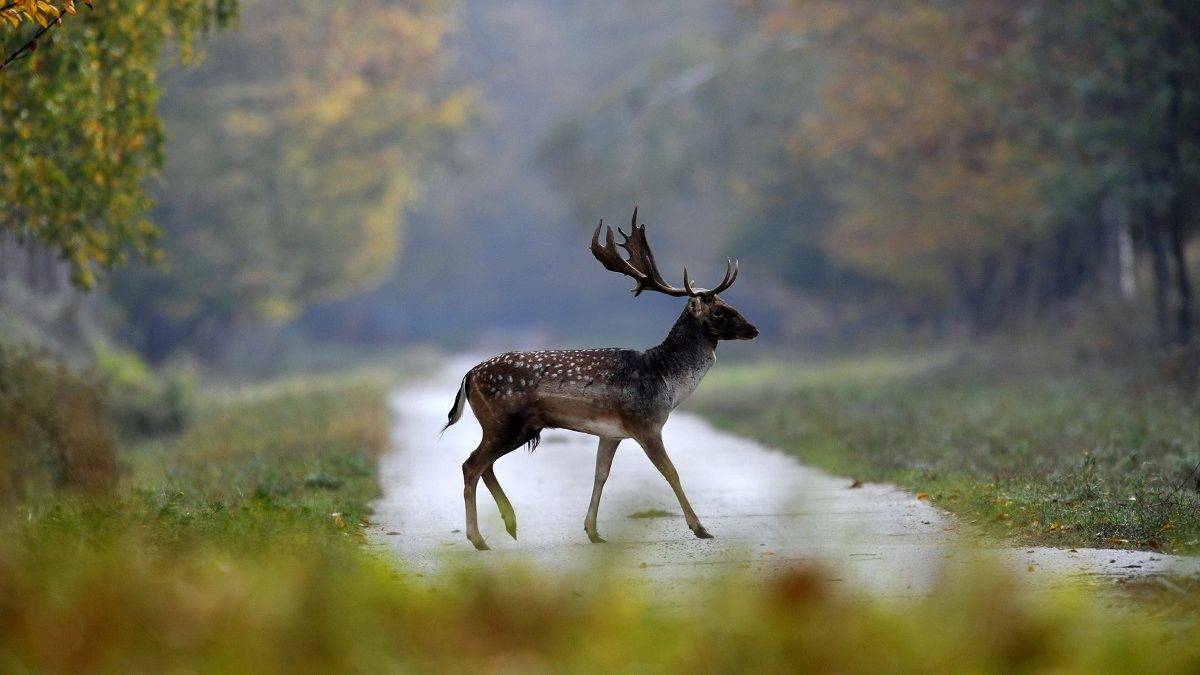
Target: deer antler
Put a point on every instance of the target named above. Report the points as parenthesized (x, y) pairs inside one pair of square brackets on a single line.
[(641, 265)]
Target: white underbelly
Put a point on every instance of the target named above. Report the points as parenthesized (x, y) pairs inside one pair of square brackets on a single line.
[(602, 427)]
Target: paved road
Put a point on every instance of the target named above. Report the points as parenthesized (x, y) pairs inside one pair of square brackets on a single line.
[(765, 509)]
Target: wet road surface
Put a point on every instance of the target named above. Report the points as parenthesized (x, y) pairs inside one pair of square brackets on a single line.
[(766, 510)]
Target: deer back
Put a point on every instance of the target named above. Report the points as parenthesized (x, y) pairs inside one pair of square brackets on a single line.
[(608, 392)]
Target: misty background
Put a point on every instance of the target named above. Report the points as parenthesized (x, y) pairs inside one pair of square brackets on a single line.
[(497, 245)]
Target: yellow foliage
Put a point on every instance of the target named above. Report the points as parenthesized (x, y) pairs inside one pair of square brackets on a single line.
[(17, 12), (938, 182)]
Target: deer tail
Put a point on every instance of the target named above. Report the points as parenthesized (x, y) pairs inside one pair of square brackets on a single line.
[(460, 401)]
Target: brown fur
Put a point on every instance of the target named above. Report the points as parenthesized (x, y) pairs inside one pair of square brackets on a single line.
[(613, 394)]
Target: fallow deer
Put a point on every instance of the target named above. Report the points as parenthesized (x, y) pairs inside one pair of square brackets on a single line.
[(610, 393)]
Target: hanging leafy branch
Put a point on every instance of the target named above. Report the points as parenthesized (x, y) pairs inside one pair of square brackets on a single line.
[(79, 129), (17, 12), (45, 14)]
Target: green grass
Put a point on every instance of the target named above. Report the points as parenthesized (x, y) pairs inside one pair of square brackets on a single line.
[(237, 546), (1042, 449)]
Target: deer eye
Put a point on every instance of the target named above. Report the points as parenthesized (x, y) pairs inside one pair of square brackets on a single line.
[(719, 313)]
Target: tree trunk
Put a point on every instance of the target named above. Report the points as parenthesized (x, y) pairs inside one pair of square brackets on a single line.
[(1126, 260), (1020, 292), (1118, 265), (1183, 284), (1172, 139), (985, 307), (1162, 281)]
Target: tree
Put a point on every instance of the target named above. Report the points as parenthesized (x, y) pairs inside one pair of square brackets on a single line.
[(938, 183), (79, 129), (296, 148), (1132, 73), (45, 14)]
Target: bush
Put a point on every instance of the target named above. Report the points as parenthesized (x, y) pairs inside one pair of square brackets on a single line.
[(54, 430), (141, 402)]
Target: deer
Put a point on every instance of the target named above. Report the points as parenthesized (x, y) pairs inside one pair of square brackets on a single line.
[(613, 394)]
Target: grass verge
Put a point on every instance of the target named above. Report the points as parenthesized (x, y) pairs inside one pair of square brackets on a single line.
[(268, 486), (1043, 450)]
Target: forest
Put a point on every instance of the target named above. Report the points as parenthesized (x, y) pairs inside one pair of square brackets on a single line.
[(946, 168)]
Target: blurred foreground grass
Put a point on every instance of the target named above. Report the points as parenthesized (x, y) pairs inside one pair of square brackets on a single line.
[(237, 547), (1034, 445), (317, 606)]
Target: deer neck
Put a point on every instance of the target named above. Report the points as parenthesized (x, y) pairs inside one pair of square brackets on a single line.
[(684, 357)]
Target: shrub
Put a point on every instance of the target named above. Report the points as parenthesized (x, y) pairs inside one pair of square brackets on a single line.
[(54, 430), (141, 402)]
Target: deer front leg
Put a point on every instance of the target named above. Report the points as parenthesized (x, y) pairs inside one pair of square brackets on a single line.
[(604, 458), (657, 452), (506, 509)]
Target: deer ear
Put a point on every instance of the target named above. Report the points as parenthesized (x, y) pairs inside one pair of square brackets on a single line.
[(695, 307)]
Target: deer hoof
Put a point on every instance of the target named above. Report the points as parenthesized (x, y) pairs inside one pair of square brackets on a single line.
[(480, 544), (595, 538), (702, 533), (511, 528)]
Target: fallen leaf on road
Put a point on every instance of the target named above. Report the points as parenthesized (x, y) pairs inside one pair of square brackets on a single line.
[(856, 484), (652, 513), (923, 496)]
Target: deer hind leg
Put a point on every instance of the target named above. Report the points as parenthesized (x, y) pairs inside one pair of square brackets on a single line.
[(604, 458), (479, 465), (472, 469), (657, 452), (506, 509)]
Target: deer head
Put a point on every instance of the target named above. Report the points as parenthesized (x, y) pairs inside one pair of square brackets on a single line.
[(719, 320)]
